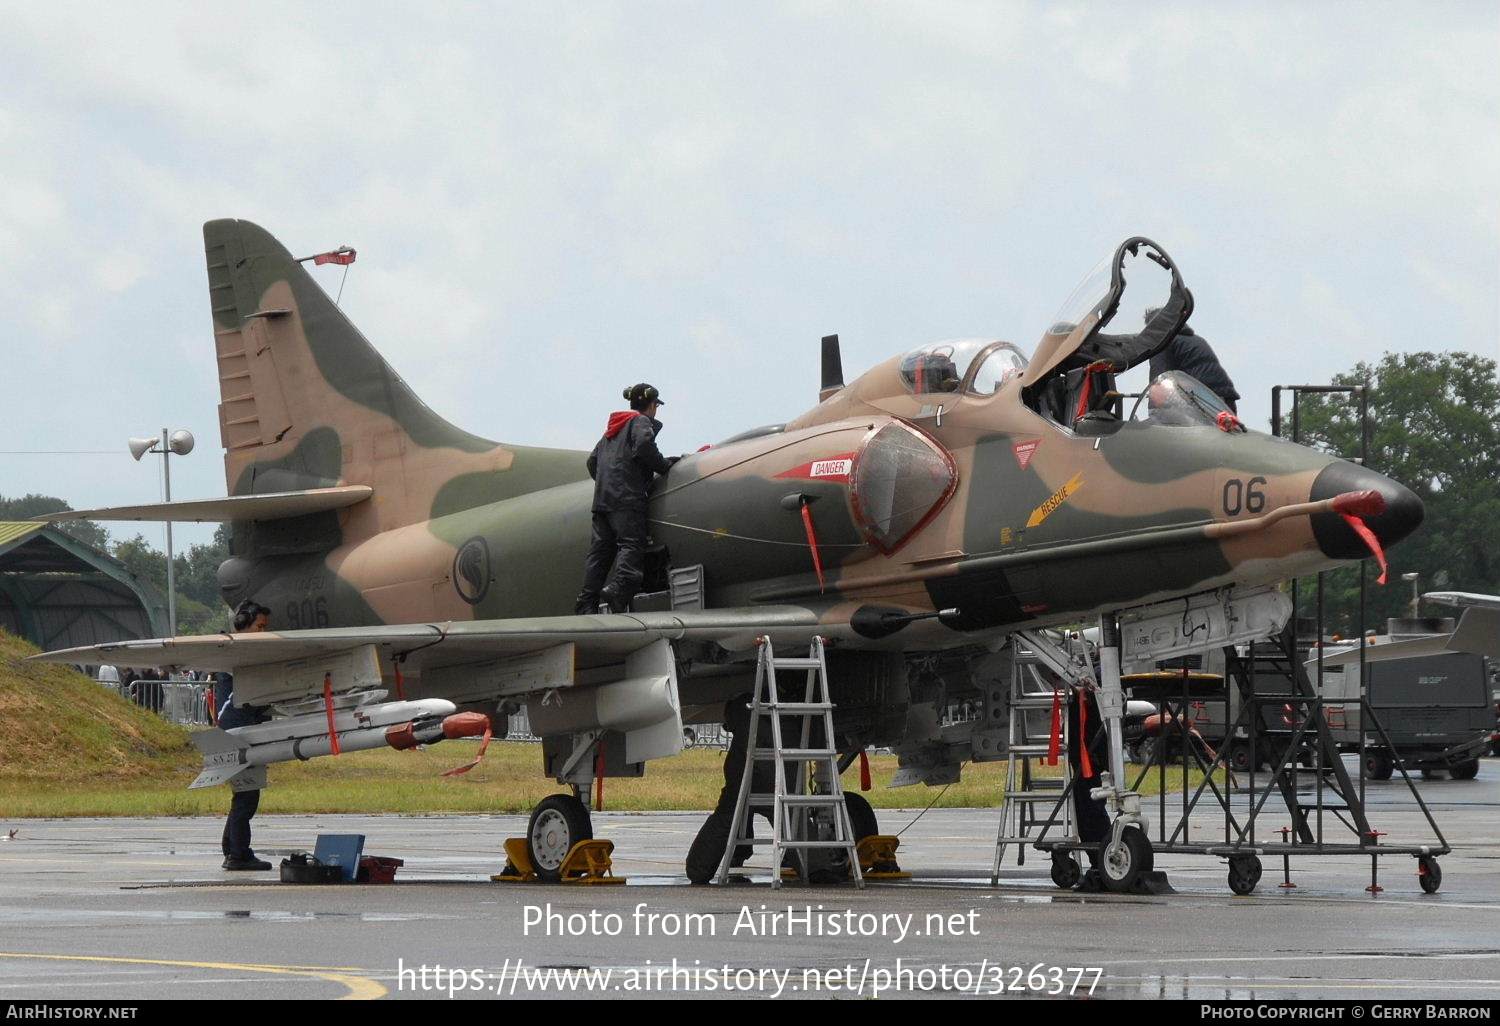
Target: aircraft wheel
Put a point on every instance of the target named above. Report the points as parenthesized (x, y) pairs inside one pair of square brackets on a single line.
[(1065, 870), (1429, 874), (1121, 863), (557, 823), (1378, 764), (1244, 873), (861, 816), (1465, 770)]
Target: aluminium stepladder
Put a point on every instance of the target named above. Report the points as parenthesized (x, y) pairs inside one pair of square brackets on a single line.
[(800, 821)]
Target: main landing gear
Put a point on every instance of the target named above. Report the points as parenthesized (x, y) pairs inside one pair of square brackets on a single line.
[(557, 823)]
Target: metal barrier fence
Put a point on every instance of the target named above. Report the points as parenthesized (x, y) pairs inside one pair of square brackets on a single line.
[(184, 702)]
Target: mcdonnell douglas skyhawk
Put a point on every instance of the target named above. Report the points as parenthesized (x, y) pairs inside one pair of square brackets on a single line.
[(915, 517)]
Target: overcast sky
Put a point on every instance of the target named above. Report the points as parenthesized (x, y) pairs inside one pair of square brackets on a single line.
[(553, 200)]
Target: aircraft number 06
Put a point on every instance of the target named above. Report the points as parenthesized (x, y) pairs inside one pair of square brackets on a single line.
[(1247, 496), (308, 613)]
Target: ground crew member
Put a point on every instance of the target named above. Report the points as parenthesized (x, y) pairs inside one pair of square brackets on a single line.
[(623, 465), (1190, 353), (249, 618)]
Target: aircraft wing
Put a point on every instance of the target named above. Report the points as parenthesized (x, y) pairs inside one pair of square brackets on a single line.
[(1463, 598), (1478, 633), (581, 673), (598, 638)]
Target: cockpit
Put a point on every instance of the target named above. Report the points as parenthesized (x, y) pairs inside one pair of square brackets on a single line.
[(1177, 399), (975, 366), (1071, 378)]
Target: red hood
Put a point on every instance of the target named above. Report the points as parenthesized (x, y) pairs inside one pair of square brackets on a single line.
[(618, 421)]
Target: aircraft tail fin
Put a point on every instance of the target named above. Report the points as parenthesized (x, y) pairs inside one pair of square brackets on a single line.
[(307, 403)]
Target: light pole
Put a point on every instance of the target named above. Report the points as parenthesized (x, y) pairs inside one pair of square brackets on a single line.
[(1413, 578), (181, 443)]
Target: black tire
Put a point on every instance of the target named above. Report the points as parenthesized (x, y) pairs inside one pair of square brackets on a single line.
[(1465, 770), (1429, 874), (1429, 773), (1065, 870), (861, 817), (557, 823), (1239, 755), (1244, 873), (1121, 865), (1378, 764)]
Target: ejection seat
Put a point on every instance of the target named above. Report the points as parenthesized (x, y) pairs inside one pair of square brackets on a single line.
[(1084, 400)]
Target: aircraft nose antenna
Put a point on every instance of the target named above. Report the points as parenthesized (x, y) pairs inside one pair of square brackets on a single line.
[(1402, 514)]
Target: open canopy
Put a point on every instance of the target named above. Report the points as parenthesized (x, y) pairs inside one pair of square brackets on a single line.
[(1149, 313)]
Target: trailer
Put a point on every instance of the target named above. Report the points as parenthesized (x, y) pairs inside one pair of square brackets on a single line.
[(1436, 711)]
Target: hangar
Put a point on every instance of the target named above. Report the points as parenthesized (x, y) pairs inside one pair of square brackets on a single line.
[(57, 592)]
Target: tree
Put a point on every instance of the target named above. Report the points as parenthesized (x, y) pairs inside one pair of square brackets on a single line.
[(197, 570), (1435, 427), (33, 505), (200, 610)]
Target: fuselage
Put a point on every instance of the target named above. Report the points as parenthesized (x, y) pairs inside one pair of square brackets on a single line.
[(913, 502)]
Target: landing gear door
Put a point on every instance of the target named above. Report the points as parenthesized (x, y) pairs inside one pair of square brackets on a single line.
[(643, 705)]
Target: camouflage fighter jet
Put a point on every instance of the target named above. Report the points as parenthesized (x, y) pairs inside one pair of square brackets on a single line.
[(915, 517)]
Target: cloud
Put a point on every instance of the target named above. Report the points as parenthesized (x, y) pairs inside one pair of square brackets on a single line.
[(585, 194)]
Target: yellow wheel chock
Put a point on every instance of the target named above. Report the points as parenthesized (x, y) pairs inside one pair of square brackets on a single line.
[(877, 858), (588, 862)]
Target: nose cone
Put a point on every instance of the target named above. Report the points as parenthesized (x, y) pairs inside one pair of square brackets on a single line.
[(1403, 510)]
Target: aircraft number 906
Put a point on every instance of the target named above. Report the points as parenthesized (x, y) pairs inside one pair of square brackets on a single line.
[(1248, 496), (307, 614)]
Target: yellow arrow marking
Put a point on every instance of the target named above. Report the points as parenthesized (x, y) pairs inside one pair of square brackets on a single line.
[(361, 988), (1059, 497)]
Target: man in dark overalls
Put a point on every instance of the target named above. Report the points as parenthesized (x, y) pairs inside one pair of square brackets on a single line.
[(249, 618), (623, 465)]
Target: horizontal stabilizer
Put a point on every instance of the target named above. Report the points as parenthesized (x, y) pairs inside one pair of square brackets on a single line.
[(271, 506)]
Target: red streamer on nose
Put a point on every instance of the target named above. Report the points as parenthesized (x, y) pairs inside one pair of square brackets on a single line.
[(1363, 530), (1361, 504)]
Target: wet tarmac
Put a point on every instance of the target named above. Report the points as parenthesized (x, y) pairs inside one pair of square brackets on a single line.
[(131, 909)]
